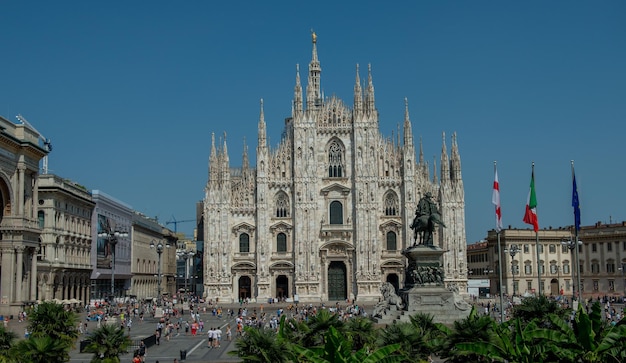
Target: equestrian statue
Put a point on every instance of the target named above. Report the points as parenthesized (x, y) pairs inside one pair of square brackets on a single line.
[(426, 217)]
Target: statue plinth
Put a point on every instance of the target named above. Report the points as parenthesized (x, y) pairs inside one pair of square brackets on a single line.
[(425, 266), (424, 281), (424, 289)]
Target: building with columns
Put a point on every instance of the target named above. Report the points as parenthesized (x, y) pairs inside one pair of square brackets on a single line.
[(20, 154), (146, 272), (325, 214), (603, 259), (601, 253), (63, 263), (519, 271)]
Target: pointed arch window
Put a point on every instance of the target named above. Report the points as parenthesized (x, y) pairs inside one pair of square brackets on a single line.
[(391, 204), (335, 160), (336, 212), (281, 242), (282, 206), (244, 243), (392, 244)]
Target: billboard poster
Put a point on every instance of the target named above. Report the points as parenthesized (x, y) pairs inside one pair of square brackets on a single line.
[(103, 249)]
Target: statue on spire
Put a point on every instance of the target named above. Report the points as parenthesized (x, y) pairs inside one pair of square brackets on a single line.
[(313, 36)]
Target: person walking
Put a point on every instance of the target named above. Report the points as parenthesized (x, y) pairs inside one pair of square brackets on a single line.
[(217, 337), (211, 336), (229, 333), (142, 351)]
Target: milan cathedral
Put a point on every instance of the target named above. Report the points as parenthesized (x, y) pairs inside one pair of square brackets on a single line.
[(325, 214)]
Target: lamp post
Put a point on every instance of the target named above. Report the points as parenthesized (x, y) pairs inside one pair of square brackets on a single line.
[(573, 246), (112, 237), (512, 251), (623, 280), (186, 255), (159, 249)]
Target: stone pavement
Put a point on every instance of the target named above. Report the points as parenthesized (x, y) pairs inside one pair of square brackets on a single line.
[(196, 347)]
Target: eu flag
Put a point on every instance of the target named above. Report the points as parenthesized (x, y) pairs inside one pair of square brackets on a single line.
[(575, 204)]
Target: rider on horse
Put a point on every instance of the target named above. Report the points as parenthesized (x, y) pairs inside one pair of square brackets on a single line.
[(426, 216)]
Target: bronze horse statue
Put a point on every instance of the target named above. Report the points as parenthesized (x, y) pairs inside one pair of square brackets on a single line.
[(426, 217)]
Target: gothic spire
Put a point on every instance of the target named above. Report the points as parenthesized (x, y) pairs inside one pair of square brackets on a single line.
[(297, 98), (358, 93), (245, 162), (213, 159), (225, 152), (408, 130), (445, 166), (421, 152), (435, 180), (262, 127), (213, 150), (313, 90), (455, 160), (370, 106)]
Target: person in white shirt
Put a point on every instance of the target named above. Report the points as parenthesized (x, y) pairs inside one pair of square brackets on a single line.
[(217, 337), (211, 334)]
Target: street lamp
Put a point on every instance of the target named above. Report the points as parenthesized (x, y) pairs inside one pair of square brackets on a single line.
[(573, 245), (186, 255), (622, 268), (112, 237), (159, 249), (512, 251)]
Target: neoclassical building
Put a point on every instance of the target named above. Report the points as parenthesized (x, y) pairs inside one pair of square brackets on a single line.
[(146, 272), (63, 263), (20, 153), (601, 254), (325, 214)]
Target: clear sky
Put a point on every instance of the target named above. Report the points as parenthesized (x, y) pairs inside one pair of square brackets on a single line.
[(130, 92)]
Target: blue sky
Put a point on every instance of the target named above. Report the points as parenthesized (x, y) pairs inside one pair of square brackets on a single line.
[(130, 92)]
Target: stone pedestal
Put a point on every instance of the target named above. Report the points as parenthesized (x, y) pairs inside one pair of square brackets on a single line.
[(425, 290), (444, 305)]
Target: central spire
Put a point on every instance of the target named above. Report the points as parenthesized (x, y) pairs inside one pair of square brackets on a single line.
[(313, 92)]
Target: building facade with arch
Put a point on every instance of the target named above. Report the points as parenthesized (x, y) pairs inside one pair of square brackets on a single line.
[(325, 214), (64, 265), (20, 153)]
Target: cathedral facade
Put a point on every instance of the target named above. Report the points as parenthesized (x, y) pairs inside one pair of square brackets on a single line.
[(325, 215)]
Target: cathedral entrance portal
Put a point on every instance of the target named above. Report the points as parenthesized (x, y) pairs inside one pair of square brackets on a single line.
[(245, 287), (393, 279), (282, 287), (337, 285)]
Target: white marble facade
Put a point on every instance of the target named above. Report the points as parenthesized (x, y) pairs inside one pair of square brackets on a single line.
[(325, 214)]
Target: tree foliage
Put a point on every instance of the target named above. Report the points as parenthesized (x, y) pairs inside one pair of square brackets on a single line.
[(53, 321), (338, 349), (107, 343)]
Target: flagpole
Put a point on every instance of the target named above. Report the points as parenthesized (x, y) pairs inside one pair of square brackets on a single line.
[(538, 252), (495, 172), (576, 226)]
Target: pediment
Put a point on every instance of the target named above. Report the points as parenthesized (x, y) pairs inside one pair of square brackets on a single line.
[(390, 226), (243, 228), (338, 248), (280, 227), (336, 187), (244, 266), (392, 264), (282, 265)]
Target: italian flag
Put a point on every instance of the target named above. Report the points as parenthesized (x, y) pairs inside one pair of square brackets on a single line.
[(530, 217)]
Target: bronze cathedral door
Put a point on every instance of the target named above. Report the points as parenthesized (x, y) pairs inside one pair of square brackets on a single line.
[(337, 285)]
